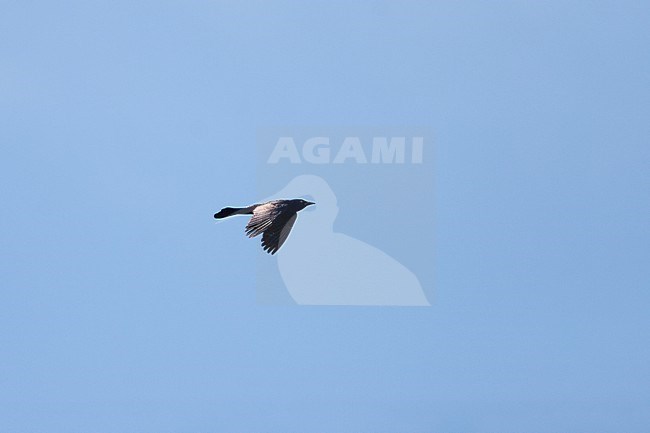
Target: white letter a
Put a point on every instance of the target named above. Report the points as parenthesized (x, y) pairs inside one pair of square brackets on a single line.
[(284, 148)]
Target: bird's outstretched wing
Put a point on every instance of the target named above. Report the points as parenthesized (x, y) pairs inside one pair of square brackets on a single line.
[(273, 219), (263, 216), (278, 232)]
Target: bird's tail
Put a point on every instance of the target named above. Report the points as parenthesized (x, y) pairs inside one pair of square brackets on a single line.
[(229, 211)]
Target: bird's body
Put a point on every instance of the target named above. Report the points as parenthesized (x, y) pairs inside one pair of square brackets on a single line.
[(273, 220)]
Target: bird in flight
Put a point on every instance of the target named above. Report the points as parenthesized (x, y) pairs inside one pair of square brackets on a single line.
[(273, 220)]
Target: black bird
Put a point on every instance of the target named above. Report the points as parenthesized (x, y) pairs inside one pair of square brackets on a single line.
[(274, 218)]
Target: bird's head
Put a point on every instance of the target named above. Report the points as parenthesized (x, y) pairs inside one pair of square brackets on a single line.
[(304, 203)]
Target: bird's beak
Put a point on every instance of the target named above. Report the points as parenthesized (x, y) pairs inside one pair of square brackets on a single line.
[(309, 203)]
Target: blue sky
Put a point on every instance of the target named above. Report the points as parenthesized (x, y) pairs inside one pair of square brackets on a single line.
[(125, 125)]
